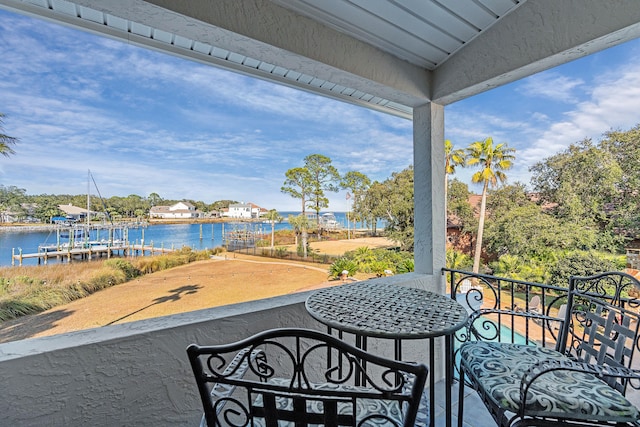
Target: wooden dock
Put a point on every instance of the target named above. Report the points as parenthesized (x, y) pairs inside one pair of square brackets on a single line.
[(89, 253)]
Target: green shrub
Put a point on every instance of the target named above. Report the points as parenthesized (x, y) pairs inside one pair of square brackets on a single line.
[(377, 261), (457, 260), (378, 267), (579, 264), (105, 279), (263, 243), (342, 264), (218, 250), (405, 266)]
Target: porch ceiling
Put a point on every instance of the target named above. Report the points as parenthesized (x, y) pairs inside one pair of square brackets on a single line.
[(387, 55)]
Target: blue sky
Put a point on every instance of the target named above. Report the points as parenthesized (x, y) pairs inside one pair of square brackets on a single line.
[(146, 122)]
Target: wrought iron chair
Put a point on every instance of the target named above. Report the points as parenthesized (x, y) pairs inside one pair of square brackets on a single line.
[(534, 304), (301, 377), (583, 381)]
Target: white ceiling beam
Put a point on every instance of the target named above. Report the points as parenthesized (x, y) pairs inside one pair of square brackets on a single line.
[(538, 35), (265, 31)]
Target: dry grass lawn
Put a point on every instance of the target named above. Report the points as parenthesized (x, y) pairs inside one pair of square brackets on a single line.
[(203, 284)]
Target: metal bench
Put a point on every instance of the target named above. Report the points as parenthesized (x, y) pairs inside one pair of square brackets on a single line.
[(582, 381)]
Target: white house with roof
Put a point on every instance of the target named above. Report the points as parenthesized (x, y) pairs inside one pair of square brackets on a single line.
[(244, 211), (76, 213), (25, 213), (181, 210)]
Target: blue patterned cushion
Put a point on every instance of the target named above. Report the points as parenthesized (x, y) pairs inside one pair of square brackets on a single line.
[(365, 408), (498, 368)]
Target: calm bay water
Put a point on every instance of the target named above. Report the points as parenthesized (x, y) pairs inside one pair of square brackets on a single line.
[(196, 236)]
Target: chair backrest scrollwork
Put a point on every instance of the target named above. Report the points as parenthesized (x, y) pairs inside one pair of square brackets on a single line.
[(602, 322), (304, 377)]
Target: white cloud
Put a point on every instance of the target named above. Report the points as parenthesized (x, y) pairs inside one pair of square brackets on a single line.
[(614, 103), (552, 85)]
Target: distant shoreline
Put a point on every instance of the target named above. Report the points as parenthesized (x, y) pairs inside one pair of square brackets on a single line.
[(26, 227), (13, 227)]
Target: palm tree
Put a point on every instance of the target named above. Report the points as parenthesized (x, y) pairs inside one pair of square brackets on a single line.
[(452, 159), (6, 141), (300, 223), (492, 161), (273, 216)]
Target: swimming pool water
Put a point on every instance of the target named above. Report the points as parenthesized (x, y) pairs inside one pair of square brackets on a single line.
[(506, 336)]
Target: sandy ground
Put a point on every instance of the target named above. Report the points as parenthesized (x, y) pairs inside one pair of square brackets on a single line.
[(224, 280)]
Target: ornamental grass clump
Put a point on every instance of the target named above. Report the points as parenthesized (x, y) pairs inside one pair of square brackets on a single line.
[(21, 295), (125, 266), (343, 264), (29, 290)]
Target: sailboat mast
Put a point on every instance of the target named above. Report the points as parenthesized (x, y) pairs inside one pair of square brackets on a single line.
[(88, 197)]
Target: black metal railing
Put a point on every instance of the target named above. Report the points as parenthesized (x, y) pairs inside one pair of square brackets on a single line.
[(507, 310)]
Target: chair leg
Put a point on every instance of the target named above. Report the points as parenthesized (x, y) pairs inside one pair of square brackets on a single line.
[(461, 397)]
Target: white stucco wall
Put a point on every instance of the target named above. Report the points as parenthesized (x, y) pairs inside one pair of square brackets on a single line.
[(138, 373), (132, 374)]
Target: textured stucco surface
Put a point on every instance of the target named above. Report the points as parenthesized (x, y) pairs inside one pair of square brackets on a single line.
[(138, 373), (429, 179), (135, 374)]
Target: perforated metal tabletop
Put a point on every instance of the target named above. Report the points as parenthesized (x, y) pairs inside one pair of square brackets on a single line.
[(386, 311)]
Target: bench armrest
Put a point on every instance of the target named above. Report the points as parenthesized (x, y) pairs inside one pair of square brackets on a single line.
[(481, 327), (600, 371)]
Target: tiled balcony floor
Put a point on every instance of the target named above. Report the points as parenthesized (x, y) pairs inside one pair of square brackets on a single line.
[(475, 413)]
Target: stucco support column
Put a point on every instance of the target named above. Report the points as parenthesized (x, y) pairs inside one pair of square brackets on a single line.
[(429, 203)]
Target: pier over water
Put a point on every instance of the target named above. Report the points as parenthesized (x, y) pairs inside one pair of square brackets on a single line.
[(89, 253), (85, 242)]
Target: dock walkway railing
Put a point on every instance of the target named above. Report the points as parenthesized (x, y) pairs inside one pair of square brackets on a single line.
[(88, 253)]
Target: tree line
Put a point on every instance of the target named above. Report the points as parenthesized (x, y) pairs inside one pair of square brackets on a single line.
[(576, 216), (43, 207), (580, 207)]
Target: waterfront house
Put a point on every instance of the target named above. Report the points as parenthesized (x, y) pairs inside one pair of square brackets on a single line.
[(8, 215), (76, 213), (180, 210), (409, 59), (24, 213), (244, 211)]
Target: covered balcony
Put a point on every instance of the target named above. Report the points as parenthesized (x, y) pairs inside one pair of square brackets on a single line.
[(138, 373), (409, 59)]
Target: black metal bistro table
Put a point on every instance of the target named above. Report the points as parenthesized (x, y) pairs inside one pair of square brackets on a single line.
[(393, 312)]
